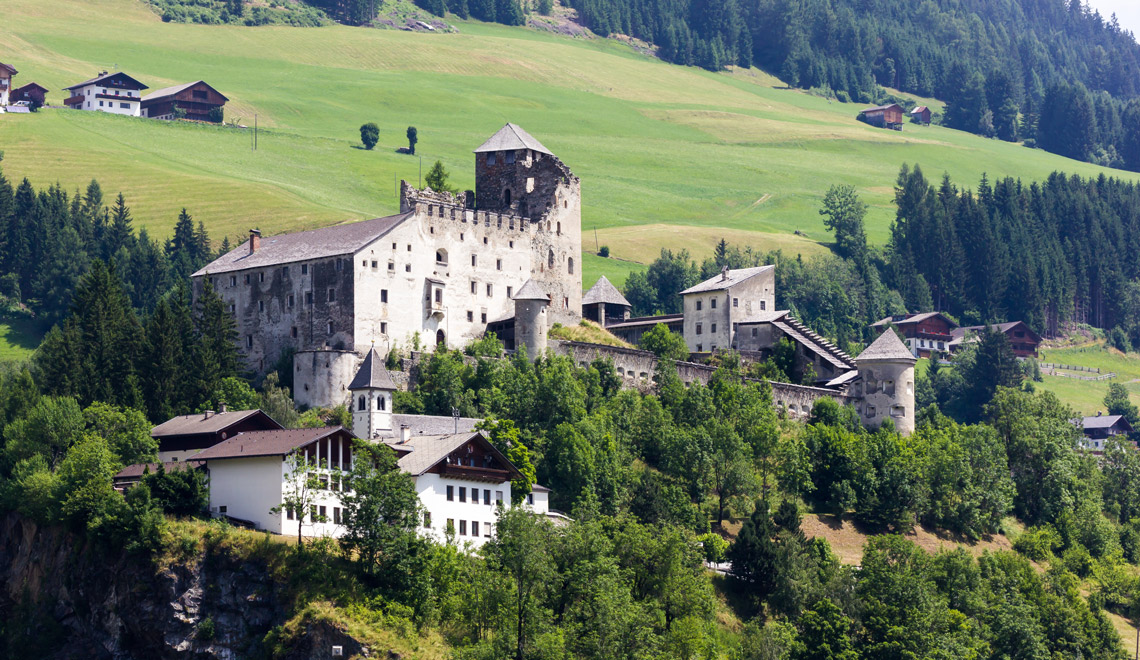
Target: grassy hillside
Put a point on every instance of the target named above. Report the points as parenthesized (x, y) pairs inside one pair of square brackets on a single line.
[(1087, 397), (667, 155)]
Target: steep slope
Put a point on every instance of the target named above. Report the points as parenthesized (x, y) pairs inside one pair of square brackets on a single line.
[(654, 143)]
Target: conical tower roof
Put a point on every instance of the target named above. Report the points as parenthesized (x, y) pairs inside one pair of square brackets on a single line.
[(604, 291), (888, 347), (511, 138), (531, 291), (372, 374)]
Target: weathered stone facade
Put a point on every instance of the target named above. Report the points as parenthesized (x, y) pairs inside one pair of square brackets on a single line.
[(437, 273), (714, 308)]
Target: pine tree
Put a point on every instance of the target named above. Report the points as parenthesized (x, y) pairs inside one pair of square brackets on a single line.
[(120, 234), (216, 354), (168, 357)]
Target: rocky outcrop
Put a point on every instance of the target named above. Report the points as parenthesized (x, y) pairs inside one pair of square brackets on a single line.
[(62, 598)]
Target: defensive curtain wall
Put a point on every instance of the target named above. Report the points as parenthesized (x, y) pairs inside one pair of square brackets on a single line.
[(636, 369)]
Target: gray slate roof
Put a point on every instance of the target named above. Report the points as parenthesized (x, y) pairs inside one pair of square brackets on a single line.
[(1100, 421), (429, 450), (171, 91), (510, 138), (604, 291), (719, 282), (530, 290), (305, 245), (766, 317), (908, 319), (372, 374), (107, 76), (265, 443), (887, 347), (432, 424), (199, 423)]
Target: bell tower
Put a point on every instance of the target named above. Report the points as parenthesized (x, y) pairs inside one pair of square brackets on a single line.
[(372, 390)]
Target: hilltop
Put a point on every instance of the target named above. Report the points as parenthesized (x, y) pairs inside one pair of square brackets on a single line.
[(668, 155)]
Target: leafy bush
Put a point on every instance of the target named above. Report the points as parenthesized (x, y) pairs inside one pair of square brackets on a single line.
[(1037, 543), (604, 251), (715, 547)]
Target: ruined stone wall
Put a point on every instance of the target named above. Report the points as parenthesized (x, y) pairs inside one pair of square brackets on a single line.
[(302, 305), (321, 378)]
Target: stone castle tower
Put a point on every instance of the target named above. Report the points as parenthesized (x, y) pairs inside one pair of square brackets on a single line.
[(531, 319), (516, 174), (886, 371), (372, 390)]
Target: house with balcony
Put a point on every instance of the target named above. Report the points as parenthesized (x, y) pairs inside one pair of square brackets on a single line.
[(925, 334), (6, 73), (116, 93), (1097, 429)]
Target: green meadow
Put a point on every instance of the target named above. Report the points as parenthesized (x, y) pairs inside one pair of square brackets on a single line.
[(668, 156)]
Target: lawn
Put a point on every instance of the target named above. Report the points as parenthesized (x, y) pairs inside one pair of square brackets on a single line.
[(1087, 397), (668, 156), (18, 339)]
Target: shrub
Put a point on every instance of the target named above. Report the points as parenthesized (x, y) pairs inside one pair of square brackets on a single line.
[(206, 629), (604, 251), (1037, 543), (715, 547), (369, 135)]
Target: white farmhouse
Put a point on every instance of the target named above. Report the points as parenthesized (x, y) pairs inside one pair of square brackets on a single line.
[(116, 93), (6, 73)]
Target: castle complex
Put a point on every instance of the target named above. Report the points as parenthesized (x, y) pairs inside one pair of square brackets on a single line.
[(507, 256)]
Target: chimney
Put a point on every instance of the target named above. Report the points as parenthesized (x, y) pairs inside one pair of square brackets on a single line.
[(254, 240), (209, 414), (222, 407), (405, 433), (724, 274)]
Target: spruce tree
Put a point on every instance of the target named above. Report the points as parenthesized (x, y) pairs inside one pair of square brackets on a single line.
[(120, 234), (168, 354), (216, 354)]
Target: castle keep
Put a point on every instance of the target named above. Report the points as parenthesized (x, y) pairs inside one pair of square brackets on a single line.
[(440, 270)]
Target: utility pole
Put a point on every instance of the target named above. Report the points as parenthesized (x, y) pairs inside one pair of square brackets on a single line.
[(421, 170), (597, 247), (255, 132)]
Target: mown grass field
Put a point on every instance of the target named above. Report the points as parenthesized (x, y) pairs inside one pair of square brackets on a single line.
[(668, 156), (1087, 397)]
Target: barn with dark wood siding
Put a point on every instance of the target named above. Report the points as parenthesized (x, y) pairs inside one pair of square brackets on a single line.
[(197, 99), (884, 116)]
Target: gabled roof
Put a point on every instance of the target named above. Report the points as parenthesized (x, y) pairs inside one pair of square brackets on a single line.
[(304, 245), (433, 424), (727, 278), (30, 86), (171, 91), (960, 333), (372, 374), (199, 423), (530, 290), (9, 68), (1103, 422), (918, 109), (909, 319), (604, 291), (887, 347), (879, 108), (108, 77), (253, 444), (510, 138), (137, 470), (766, 317), (428, 450)]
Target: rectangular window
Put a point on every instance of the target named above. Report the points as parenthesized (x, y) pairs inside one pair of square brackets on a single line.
[(100, 104), (451, 525), (383, 328), (261, 277), (383, 295), (462, 493), (340, 264), (498, 264), (336, 515), (753, 332), (125, 106), (498, 497), (698, 328), (698, 305), (332, 295), (712, 328), (491, 158), (450, 493), (323, 482), (249, 341), (407, 268), (530, 499), (474, 259), (290, 300), (233, 307), (700, 347), (474, 287), (284, 271), (261, 305), (483, 317), (487, 496), (762, 303), (490, 290), (391, 266), (233, 280), (474, 528), (289, 513), (304, 269), (736, 302), (294, 332), (308, 297), (470, 316), (463, 528), (510, 291), (712, 303), (487, 530), (427, 519), (247, 278)]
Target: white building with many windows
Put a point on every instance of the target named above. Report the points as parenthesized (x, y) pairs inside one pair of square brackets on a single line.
[(116, 93)]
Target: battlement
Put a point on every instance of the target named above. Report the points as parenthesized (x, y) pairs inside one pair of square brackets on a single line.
[(446, 206)]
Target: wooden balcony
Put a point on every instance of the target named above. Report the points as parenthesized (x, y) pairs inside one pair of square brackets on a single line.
[(493, 475)]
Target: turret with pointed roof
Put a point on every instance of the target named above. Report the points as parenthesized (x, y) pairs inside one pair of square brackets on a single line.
[(530, 318), (886, 375), (604, 304), (372, 390)]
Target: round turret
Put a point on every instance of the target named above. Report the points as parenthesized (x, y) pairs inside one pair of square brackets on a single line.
[(886, 383), (530, 319)]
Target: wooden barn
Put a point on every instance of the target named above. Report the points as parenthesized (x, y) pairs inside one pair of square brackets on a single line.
[(33, 93), (920, 115), (884, 116), (197, 99)]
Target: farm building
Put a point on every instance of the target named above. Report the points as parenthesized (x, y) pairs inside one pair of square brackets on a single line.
[(6, 73), (884, 116), (924, 333), (920, 115), (197, 99), (1097, 430), (34, 94), (116, 93), (1021, 337)]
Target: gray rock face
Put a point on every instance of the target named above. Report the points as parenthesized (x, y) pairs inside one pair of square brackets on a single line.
[(69, 600)]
